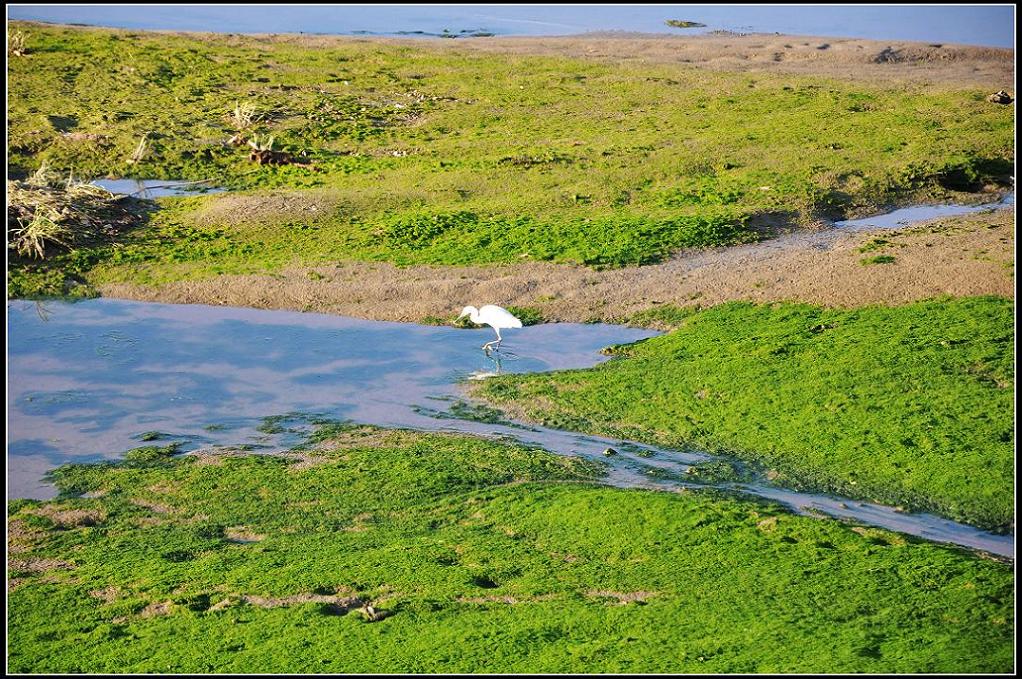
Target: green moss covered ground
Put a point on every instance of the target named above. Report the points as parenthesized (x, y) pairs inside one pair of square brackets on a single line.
[(414, 154), (473, 556), (908, 405), (371, 550)]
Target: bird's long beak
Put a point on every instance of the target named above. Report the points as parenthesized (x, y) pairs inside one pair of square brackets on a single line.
[(462, 316)]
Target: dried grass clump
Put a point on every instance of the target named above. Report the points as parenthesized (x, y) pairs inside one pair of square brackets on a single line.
[(31, 238), (243, 118), (17, 43), (41, 214), (244, 115), (140, 151), (45, 176), (260, 144)]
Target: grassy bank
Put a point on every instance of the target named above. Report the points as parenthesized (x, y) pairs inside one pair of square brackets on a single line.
[(408, 153), (388, 551), (908, 405)]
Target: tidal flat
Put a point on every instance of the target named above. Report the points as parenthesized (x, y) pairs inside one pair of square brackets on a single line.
[(911, 404), (689, 184), (413, 153), (391, 551)]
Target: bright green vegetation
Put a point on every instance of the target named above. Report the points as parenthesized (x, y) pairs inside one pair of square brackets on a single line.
[(664, 316), (909, 405), (152, 436), (878, 259), (439, 154), (527, 315), (475, 556), (875, 244)]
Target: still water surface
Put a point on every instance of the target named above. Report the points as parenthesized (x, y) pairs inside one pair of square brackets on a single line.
[(88, 379), (156, 188), (991, 25)]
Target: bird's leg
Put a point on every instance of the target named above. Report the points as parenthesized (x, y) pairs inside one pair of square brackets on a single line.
[(496, 341)]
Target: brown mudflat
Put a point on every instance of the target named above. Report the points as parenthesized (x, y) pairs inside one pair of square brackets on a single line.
[(962, 256), (843, 58)]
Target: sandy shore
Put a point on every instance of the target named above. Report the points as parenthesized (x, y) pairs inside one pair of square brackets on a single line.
[(890, 61), (845, 58), (971, 255)]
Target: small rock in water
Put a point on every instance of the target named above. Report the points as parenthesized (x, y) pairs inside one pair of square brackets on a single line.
[(679, 23), (1000, 97), (609, 451)]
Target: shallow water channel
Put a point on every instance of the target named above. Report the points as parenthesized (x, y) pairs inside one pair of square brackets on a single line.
[(88, 379), (907, 216), (156, 188)]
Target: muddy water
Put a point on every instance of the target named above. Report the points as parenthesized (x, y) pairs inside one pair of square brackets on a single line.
[(93, 377)]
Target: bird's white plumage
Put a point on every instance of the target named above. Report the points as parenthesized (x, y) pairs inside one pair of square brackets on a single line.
[(494, 316)]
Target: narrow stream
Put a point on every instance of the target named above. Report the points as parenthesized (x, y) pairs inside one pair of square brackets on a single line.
[(157, 188), (921, 213), (90, 378)]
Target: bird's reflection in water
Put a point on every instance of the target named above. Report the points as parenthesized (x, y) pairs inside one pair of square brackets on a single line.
[(493, 364), (43, 311)]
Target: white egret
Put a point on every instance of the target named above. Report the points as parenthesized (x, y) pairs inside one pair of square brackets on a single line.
[(494, 316)]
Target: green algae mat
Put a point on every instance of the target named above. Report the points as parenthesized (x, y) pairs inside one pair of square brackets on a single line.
[(369, 550), (908, 405), (419, 155)]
